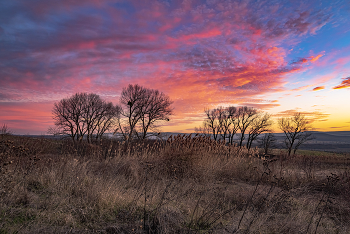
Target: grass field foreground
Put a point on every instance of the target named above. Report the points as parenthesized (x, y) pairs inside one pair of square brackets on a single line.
[(184, 185)]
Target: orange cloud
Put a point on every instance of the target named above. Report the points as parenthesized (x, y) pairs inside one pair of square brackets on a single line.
[(314, 59), (261, 106), (301, 88), (344, 84), (318, 88), (311, 59), (312, 116)]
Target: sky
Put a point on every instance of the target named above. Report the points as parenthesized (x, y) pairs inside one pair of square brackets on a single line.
[(281, 56)]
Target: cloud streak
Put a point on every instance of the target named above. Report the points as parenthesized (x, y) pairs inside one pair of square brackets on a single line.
[(311, 59), (312, 116)]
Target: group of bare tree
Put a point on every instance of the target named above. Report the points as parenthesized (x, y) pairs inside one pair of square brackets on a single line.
[(248, 123), (87, 116), (224, 123)]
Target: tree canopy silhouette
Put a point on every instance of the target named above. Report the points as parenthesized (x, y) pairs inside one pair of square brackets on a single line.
[(142, 108), (84, 115)]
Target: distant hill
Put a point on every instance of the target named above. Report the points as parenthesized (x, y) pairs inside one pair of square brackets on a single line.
[(332, 136), (324, 141), (341, 137)]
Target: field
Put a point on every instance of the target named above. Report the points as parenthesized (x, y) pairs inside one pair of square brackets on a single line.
[(184, 185)]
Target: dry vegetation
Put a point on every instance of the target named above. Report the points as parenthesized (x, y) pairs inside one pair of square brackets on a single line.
[(184, 185)]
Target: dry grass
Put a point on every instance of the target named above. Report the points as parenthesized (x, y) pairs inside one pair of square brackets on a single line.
[(185, 185)]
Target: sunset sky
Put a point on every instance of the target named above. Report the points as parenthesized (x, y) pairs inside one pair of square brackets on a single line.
[(279, 56)]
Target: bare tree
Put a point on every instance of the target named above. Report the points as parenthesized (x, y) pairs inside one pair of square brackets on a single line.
[(67, 114), (141, 109), (156, 107), (211, 122), (301, 139), (83, 115), (232, 130), (92, 110), (131, 101), (224, 119), (259, 124), (245, 117), (295, 129), (267, 142), (105, 120)]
